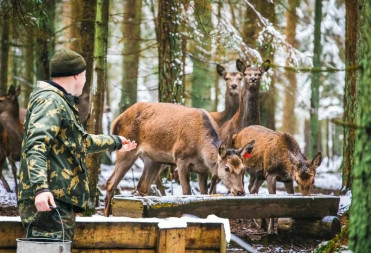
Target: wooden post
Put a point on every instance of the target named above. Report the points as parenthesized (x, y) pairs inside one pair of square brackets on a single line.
[(171, 236)]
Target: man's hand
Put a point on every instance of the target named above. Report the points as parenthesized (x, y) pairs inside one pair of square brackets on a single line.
[(127, 145), (43, 201)]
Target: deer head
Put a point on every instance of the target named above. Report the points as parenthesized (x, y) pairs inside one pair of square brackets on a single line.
[(9, 102), (305, 171), (231, 168), (232, 80), (252, 74)]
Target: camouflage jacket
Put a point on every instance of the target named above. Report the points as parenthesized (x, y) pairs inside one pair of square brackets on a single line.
[(54, 147)]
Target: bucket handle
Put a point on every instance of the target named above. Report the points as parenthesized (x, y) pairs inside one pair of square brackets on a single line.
[(53, 208)]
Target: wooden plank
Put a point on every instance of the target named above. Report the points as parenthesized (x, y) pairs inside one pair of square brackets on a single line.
[(113, 251), (211, 236), (171, 237), (246, 207), (112, 233), (115, 234)]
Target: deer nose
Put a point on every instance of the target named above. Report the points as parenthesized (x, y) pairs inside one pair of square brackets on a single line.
[(234, 86), (240, 193), (253, 79)]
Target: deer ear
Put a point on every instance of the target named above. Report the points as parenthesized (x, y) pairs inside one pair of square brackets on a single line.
[(221, 70), (18, 90), (11, 90), (223, 150), (293, 159), (265, 66), (246, 151), (240, 66), (316, 162)]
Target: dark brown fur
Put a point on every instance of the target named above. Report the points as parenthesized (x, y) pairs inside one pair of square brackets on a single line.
[(12, 132), (276, 157), (233, 82)]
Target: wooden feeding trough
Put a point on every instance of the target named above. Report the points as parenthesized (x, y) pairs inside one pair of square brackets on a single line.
[(311, 215), (120, 234)]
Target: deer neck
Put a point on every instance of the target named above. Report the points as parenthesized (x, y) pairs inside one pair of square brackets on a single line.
[(231, 106), (249, 111)]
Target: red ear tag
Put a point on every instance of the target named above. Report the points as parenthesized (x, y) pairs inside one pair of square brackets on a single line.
[(247, 155)]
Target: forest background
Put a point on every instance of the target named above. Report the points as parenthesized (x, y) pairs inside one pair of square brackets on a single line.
[(167, 51)]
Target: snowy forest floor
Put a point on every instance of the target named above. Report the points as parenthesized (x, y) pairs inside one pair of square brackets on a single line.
[(328, 181)]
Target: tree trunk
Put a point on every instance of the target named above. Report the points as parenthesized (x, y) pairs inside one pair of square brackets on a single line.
[(82, 34), (360, 215), (131, 39), (44, 46), (29, 65), (201, 78), (169, 52), (94, 123), (314, 100), (350, 90), (187, 86), (5, 45), (289, 120)]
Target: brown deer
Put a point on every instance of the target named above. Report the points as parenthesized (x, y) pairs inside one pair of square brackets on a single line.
[(232, 94), (174, 134), (248, 110), (233, 81), (276, 157), (12, 132)]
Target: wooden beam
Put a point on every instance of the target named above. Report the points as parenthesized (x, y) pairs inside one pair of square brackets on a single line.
[(104, 235), (325, 228), (252, 206), (171, 236)]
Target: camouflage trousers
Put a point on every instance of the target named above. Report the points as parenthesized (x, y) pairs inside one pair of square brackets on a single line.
[(47, 224)]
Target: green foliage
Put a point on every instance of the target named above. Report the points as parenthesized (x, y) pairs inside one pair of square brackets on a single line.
[(335, 245)]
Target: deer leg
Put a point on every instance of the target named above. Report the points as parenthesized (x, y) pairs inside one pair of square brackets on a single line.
[(2, 178), (202, 182), (14, 170), (289, 187), (251, 183), (150, 173), (271, 180), (255, 188), (123, 164), (184, 174)]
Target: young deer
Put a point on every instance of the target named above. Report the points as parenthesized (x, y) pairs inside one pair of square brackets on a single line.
[(248, 110), (174, 134), (232, 94), (12, 132), (276, 157)]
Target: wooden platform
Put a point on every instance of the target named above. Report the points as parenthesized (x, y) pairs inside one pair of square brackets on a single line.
[(252, 206), (119, 234)]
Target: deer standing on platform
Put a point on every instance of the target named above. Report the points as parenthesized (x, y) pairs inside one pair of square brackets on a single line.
[(177, 135), (10, 146)]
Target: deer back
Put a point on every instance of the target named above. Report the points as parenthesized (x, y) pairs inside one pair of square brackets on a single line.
[(164, 130), (279, 154)]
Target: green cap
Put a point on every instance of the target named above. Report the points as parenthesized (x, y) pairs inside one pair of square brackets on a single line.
[(66, 62)]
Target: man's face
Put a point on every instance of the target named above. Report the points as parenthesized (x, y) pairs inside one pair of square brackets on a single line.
[(80, 82)]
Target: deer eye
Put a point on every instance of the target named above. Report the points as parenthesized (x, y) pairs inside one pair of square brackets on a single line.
[(226, 169)]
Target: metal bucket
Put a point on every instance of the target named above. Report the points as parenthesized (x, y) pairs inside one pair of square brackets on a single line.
[(33, 245), (47, 245)]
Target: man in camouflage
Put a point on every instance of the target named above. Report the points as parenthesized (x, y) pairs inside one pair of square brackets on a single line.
[(53, 169)]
